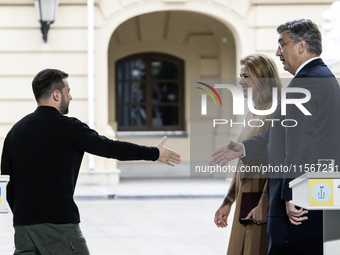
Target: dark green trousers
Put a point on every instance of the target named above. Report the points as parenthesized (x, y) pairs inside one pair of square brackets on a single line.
[(48, 239)]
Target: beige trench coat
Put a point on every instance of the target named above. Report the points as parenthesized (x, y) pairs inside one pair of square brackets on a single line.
[(248, 239)]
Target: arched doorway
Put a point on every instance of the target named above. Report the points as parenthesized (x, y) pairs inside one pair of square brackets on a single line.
[(204, 45)]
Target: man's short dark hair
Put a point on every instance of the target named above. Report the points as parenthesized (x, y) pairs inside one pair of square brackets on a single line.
[(47, 81), (306, 30)]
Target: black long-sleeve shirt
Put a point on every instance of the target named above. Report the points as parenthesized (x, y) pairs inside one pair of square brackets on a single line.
[(42, 154)]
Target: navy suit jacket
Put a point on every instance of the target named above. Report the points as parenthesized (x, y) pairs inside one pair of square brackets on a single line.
[(314, 137)]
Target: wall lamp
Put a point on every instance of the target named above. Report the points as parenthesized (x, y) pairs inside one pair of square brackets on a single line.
[(46, 10)]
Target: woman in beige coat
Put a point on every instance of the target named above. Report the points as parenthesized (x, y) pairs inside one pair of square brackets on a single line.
[(260, 73)]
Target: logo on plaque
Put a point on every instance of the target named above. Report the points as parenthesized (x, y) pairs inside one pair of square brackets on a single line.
[(321, 192)]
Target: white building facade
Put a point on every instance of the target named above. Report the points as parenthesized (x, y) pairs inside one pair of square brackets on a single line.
[(155, 46)]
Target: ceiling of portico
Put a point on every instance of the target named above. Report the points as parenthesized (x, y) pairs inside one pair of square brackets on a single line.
[(199, 32)]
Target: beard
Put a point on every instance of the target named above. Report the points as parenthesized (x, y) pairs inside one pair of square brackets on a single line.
[(64, 105)]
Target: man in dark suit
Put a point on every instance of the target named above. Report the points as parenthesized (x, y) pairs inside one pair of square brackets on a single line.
[(296, 147)]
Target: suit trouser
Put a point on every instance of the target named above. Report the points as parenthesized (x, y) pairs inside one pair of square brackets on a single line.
[(285, 238), (45, 239), (277, 229)]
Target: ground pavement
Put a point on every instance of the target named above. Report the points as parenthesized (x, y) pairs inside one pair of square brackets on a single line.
[(146, 216)]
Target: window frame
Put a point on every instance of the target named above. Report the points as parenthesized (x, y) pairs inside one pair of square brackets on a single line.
[(148, 57)]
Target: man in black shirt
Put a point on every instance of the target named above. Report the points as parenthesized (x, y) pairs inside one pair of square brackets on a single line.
[(42, 154)]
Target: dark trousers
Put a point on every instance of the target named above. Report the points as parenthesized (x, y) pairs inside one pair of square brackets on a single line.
[(45, 239), (285, 238)]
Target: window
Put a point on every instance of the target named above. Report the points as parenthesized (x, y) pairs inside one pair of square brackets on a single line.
[(149, 93)]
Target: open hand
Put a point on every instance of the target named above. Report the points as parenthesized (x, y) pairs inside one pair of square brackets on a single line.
[(166, 155), (227, 153)]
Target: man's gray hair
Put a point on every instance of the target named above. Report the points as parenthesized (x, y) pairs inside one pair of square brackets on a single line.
[(304, 30)]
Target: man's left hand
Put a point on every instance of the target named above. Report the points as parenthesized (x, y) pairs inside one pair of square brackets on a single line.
[(296, 216)]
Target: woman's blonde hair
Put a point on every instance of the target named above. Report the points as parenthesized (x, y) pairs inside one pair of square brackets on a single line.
[(264, 68)]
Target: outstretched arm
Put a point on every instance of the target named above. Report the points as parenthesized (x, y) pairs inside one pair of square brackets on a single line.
[(167, 155), (227, 153)]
